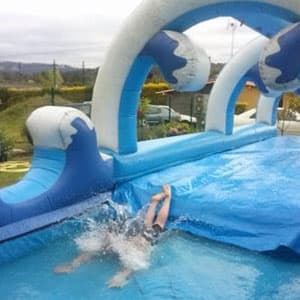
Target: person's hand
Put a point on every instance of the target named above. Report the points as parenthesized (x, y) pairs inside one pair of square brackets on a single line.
[(167, 190), (63, 269)]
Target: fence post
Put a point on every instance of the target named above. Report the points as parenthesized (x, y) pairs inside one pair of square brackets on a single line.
[(192, 109), (169, 104), (53, 84)]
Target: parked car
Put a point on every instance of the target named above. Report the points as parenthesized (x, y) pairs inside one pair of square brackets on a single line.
[(290, 125), (162, 113), (246, 118)]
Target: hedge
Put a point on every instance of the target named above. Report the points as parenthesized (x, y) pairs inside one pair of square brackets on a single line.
[(76, 93), (10, 96)]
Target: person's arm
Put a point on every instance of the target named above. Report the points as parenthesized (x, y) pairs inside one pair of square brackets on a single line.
[(163, 213), (75, 263), (158, 197), (119, 279), (150, 214)]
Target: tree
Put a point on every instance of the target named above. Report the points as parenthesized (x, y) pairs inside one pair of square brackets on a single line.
[(46, 79), (289, 112)]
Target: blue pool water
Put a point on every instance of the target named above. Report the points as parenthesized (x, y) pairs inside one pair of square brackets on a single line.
[(182, 267)]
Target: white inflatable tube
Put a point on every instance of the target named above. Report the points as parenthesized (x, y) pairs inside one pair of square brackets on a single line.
[(51, 127), (217, 117), (149, 18), (267, 110)]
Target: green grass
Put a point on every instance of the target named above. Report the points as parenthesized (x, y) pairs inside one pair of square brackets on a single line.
[(7, 179), (12, 119)]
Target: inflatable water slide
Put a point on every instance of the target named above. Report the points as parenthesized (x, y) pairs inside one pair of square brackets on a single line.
[(238, 186)]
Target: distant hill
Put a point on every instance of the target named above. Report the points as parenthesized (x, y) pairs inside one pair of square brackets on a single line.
[(21, 75), (31, 68)]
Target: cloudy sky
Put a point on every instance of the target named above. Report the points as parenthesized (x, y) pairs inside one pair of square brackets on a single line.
[(72, 31)]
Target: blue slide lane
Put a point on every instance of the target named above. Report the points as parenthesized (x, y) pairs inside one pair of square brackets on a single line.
[(246, 197), (46, 167)]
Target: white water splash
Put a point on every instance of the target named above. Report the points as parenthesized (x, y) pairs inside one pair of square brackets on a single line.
[(134, 252), (92, 240)]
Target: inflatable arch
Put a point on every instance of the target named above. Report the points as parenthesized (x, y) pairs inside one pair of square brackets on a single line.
[(119, 81)]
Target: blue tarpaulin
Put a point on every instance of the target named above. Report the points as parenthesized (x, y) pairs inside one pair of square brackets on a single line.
[(248, 197)]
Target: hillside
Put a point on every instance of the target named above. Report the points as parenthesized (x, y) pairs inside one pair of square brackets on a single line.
[(22, 75), (31, 68)]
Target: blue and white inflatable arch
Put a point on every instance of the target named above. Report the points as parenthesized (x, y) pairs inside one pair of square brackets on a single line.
[(119, 81)]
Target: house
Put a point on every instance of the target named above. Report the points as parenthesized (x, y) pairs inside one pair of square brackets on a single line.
[(195, 103)]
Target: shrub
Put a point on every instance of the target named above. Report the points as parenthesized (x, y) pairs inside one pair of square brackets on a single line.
[(6, 146), (181, 127), (152, 132), (164, 130)]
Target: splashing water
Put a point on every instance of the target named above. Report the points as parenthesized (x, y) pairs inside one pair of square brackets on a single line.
[(121, 236)]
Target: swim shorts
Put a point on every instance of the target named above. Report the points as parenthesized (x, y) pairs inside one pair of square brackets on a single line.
[(152, 234), (135, 227)]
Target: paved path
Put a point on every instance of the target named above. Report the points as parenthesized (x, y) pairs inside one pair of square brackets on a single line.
[(14, 166)]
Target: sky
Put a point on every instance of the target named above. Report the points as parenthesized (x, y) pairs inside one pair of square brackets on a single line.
[(72, 31)]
